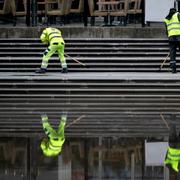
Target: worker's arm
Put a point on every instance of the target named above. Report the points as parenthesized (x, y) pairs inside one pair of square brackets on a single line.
[(44, 37), (179, 16), (166, 29)]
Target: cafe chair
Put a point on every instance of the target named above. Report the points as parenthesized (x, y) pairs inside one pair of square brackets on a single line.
[(121, 12), (57, 8), (21, 9), (134, 8), (40, 9), (54, 8), (95, 13), (79, 9), (2, 10), (8, 11), (68, 7)]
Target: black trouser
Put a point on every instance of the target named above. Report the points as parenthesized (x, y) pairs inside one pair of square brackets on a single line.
[(174, 137), (174, 42)]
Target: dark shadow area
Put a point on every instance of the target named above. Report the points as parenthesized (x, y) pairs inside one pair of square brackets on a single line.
[(89, 158)]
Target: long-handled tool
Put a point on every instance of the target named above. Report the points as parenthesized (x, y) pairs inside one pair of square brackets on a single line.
[(76, 120), (165, 122), (75, 59), (164, 61)]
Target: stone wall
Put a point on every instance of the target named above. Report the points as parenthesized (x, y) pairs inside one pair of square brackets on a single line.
[(87, 32)]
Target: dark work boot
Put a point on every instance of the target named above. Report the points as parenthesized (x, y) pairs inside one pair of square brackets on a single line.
[(173, 70), (173, 66), (64, 70), (41, 71)]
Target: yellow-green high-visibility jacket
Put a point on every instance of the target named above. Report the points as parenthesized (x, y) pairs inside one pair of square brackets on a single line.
[(173, 158), (51, 35), (52, 147), (173, 25)]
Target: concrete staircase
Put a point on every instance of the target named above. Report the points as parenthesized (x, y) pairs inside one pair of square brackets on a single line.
[(99, 55), (120, 92)]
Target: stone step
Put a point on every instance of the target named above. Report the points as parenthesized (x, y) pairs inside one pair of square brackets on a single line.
[(118, 93)]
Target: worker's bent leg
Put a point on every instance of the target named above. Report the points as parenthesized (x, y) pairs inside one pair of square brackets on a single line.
[(43, 143), (46, 56), (172, 46), (62, 126), (172, 135), (50, 132), (61, 55), (178, 42)]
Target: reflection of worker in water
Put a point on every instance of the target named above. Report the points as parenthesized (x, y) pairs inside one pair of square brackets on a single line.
[(52, 144), (173, 153)]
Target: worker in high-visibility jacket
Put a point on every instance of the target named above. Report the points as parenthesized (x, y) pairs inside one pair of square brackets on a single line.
[(172, 160), (53, 38), (172, 24), (52, 144)]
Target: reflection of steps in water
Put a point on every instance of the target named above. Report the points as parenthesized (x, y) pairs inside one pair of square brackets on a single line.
[(121, 105)]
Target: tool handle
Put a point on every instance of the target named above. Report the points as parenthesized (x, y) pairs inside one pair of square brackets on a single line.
[(75, 59), (165, 122), (75, 121), (162, 64)]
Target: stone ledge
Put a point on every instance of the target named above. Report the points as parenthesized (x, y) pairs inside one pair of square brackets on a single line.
[(87, 32)]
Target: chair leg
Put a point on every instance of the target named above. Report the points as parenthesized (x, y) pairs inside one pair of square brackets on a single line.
[(14, 20), (111, 19), (63, 20), (125, 20), (51, 20), (66, 19), (92, 20), (40, 19), (128, 19), (105, 20)]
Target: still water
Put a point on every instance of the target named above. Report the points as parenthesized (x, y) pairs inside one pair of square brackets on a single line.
[(102, 141), (97, 158)]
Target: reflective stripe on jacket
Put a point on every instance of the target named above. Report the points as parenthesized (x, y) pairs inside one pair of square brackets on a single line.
[(52, 147), (50, 35), (173, 25), (173, 158), (55, 145)]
